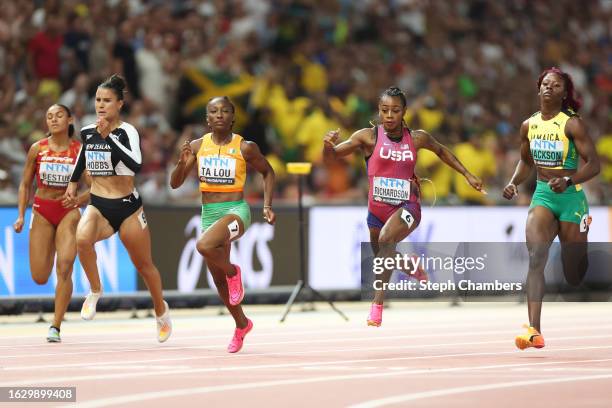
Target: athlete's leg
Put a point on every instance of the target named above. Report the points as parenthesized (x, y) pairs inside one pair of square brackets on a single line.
[(92, 227), (540, 231), (65, 242), (42, 248), (574, 247), (136, 237), (374, 234), (397, 227), (214, 245)]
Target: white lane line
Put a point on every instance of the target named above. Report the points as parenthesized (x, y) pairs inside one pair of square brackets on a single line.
[(378, 338), (81, 378), (474, 388), (274, 383), (278, 330), (87, 364)]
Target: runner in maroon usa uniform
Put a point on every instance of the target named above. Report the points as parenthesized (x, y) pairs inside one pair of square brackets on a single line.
[(390, 151)]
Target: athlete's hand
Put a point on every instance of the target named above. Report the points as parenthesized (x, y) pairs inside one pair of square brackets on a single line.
[(103, 126), (331, 138), (70, 196), (185, 153), (475, 182), (557, 184), (18, 225), (269, 215), (510, 191), (69, 202)]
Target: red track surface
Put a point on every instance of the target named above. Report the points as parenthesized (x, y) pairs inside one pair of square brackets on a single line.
[(423, 355)]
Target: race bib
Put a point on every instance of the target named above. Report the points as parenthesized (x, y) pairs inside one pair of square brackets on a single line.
[(55, 174), (99, 163), (217, 170), (547, 153), (391, 190)]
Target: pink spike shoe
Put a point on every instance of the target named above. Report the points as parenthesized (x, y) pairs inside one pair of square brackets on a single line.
[(375, 317), (238, 339), (235, 287)]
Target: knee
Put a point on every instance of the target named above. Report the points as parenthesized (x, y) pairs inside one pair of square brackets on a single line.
[(144, 266), (386, 245), (575, 272), (83, 244), (63, 268), (205, 247), (537, 257), (40, 280)]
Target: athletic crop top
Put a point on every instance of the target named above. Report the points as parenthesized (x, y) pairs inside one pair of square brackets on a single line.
[(221, 168), (117, 155), (549, 145), (53, 169)]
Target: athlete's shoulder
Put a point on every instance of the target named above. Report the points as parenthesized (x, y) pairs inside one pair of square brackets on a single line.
[(74, 143), (196, 144), (369, 133), (535, 114), (570, 113), (87, 132), (128, 128), (248, 147), (40, 145)]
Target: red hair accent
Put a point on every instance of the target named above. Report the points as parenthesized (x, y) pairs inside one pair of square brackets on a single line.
[(572, 100)]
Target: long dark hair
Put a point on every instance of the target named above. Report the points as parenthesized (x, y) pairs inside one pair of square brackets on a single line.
[(572, 100)]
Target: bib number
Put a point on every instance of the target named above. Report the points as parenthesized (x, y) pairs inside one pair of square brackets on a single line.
[(547, 153), (390, 190), (55, 174), (217, 170), (99, 163)]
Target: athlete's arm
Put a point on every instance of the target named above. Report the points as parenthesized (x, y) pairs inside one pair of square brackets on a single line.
[(79, 167), (332, 149), (427, 141), (132, 157), (252, 155), (185, 163), (523, 167), (26, 185), (576, 129)]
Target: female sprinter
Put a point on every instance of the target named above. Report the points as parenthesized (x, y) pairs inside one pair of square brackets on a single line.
[(390, 150), (54, 218), (222, 157), (551, 141), (111, 155)]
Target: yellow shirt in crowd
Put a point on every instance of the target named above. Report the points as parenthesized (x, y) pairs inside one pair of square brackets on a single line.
[(480, 162), (604, 149)]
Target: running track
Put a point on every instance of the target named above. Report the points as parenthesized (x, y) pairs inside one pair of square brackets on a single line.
[(425, 354)]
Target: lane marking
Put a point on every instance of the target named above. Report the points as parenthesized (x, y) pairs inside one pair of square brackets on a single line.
[(54, 367), (82, 378), (298, 381), (473, 388), (379, 337)]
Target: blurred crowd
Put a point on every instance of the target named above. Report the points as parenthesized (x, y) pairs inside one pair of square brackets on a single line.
[(298, 68)]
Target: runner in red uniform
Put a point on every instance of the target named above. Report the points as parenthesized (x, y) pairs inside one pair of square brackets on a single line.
[(391, 150), (54, 219)]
